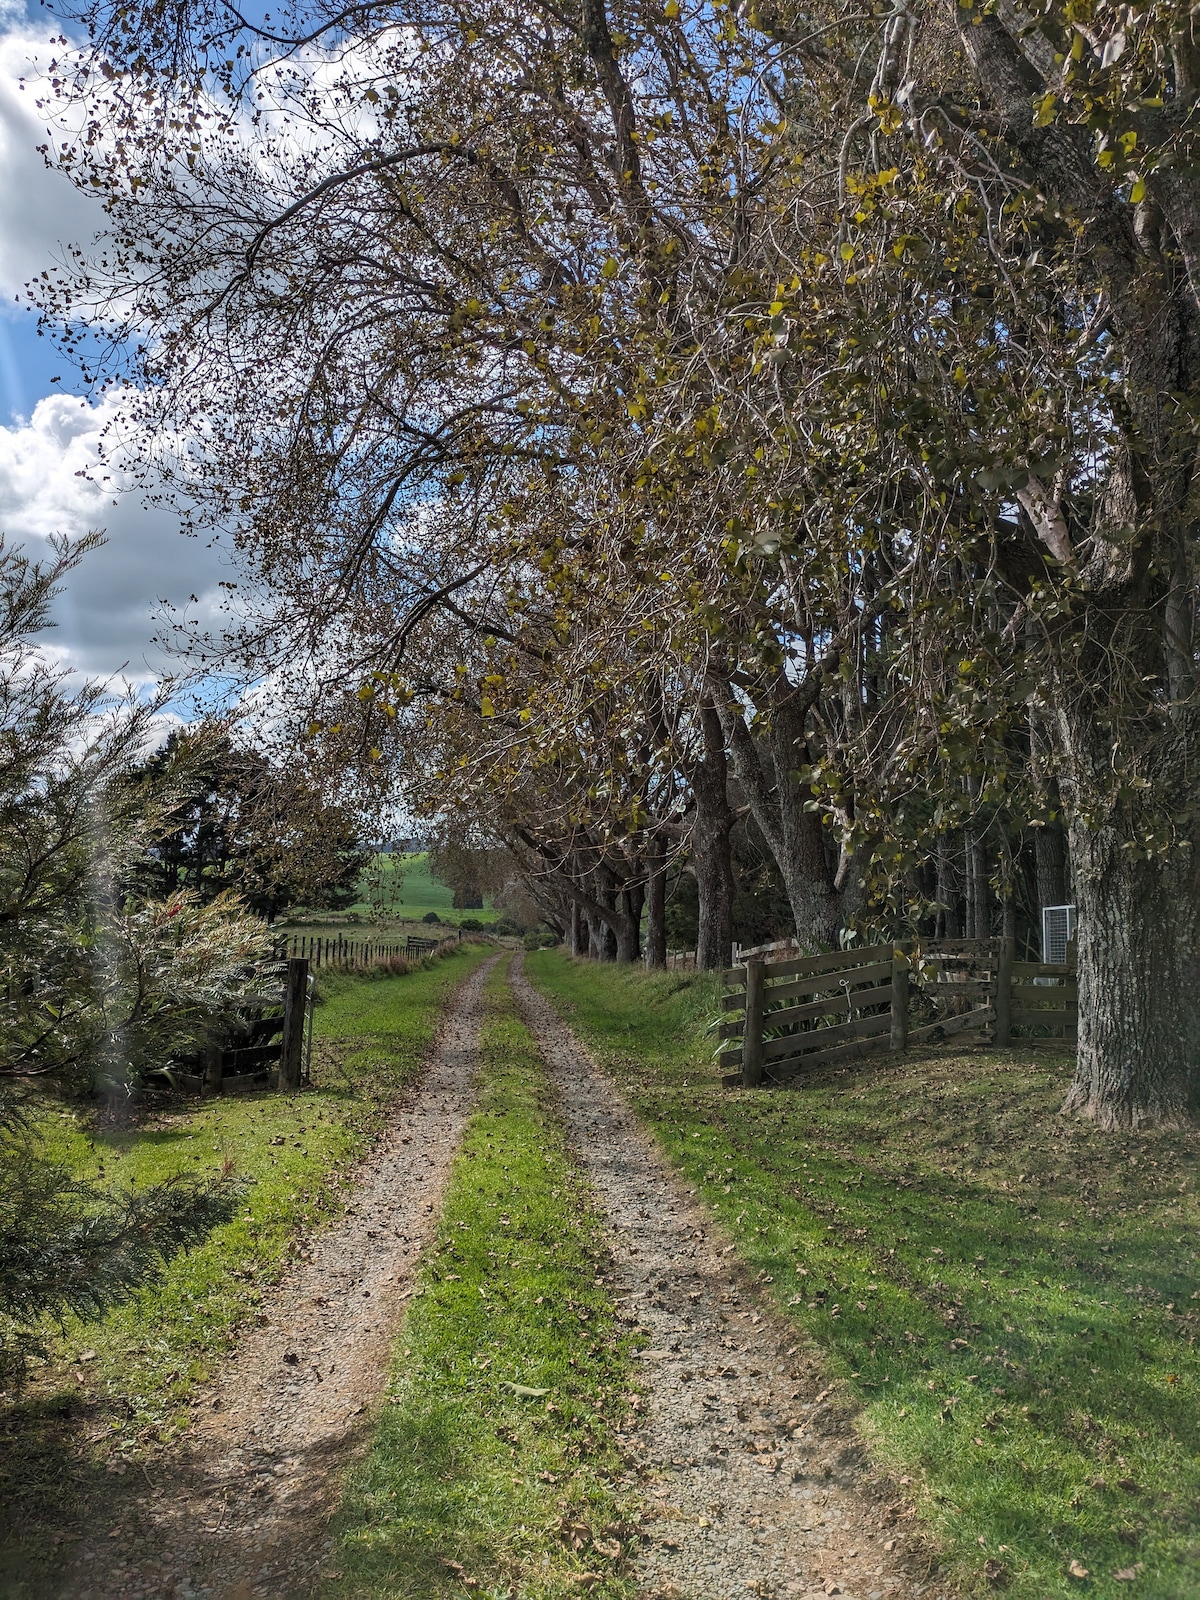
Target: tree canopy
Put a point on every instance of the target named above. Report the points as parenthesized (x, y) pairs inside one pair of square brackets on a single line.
[(648, 416)]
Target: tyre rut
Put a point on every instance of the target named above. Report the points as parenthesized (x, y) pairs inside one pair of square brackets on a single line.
[(241, 1510), (756, 1479)]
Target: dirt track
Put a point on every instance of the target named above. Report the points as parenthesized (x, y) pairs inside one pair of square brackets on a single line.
[(755, 1477), (243, 1512)]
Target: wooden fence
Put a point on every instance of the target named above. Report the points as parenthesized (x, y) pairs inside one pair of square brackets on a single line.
[(682, 959), (803, 1012), (338, 951)]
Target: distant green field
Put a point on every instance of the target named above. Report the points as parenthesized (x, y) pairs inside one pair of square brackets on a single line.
[(403, 886)]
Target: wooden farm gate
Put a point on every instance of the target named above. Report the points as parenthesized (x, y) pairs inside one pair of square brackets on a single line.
[(789, 1015)]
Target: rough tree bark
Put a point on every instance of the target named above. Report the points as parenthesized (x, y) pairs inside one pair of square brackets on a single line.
[(794, 834), (1120, 682), (1139, 976), (656, 910), (579, 930), (712, 861)]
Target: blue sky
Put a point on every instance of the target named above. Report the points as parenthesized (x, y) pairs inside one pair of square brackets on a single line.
[(50, 431)]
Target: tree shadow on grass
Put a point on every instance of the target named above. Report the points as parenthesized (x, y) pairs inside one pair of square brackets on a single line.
[(51, 1487)]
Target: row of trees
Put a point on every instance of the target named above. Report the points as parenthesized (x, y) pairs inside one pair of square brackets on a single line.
[(647, 416)]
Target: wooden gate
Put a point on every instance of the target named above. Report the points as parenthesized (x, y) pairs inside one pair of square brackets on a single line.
[(804, 1012)]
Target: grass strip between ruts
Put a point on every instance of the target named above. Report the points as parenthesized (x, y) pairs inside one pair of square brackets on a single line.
[(496, 1460), (1012, 1295), (127, 1380)]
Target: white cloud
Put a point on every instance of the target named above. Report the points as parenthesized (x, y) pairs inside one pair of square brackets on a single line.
[(52, 482), (43, 209)]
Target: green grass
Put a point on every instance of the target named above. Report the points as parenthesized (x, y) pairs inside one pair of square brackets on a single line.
[(408, 889), (114, 1388), (467, 1477), (1012, 1296)]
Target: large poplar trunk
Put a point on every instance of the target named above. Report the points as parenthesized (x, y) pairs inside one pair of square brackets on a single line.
[(656, 915), (712, 861), (579, 930), (1139, 984), (627, 930), (793, 833), (1119, 682), (602, 941)]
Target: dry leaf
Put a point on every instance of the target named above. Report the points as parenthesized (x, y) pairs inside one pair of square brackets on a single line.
[(1077, 1569)]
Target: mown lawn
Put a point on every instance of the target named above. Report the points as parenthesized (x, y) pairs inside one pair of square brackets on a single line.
[(111, 1390), (1013, 1297), (495, 1458)]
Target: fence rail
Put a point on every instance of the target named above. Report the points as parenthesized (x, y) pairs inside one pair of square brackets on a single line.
[(339, 951), (801, 1012)]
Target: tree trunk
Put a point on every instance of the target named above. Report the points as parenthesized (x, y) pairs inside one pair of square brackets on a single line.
[(1119, 679), (579, 930), (793, 834), (602, 943), (656, 914), (1050, 858), (712, 861), (1139, 984), (628, 929), (947, 891)]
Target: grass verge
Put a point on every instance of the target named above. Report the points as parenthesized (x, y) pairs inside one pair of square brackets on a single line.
[(112, 1389), (1012, 1296), (495, 1457)]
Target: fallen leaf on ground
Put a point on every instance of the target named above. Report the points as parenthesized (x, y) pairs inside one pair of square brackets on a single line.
[(1077, 1569)]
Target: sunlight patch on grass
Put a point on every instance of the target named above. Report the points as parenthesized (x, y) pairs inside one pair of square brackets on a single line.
[(129, 1378), (1008, 1293)]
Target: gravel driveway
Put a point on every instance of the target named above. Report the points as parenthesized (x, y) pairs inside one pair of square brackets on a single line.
[(758, 1483)]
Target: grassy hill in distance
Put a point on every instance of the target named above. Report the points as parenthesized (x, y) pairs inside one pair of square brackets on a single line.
[(402, 886)]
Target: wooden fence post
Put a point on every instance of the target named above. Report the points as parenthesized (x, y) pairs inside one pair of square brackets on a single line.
[(214, 1061), (752, 1039), (1004, 991), (295, 1003), (899, 1007)]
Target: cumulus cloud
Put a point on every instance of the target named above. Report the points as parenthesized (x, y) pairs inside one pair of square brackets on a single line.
[(52, 481)]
